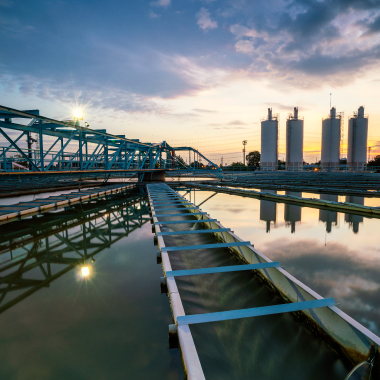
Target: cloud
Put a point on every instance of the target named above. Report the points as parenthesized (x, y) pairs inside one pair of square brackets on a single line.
[(204, 20), (287, 107), (236, 122), (161, 3), (244, 46), (203, 110), (153, 15)]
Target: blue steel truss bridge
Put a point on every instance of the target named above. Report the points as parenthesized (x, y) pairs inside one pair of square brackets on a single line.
[(34, 146)]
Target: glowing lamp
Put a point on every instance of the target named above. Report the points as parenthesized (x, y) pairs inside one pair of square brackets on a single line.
[(85, 271), (78, 114)]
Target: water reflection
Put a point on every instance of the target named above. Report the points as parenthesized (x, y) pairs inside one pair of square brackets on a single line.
[(36, 251), (336, 258), (354, 220), (268, 211), (292, 213), (328, 217)]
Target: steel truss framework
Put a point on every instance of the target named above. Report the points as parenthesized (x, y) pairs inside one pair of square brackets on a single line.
[(46, 144), (35, 254)]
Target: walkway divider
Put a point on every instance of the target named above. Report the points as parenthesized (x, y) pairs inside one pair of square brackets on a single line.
[(9, 213), (345, 335), (308, 202)]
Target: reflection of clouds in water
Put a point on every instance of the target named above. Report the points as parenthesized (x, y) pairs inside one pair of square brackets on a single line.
[(235, 209), (334, 271)]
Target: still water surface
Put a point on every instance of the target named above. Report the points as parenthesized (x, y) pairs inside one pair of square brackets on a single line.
[(335, 254), (112, 324)]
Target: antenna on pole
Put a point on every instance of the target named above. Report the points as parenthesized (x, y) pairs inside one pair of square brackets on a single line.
[(244, 144), (330, 100)]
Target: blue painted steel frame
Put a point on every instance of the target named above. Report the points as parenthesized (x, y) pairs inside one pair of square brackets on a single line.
[(107, 152)]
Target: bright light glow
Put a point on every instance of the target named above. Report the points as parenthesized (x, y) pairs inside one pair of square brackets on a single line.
[(85, 271), (78, 114)]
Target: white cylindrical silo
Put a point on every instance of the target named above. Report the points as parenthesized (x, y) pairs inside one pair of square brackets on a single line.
[(331, 134), (294, 142), (269, 142), (357, 140)]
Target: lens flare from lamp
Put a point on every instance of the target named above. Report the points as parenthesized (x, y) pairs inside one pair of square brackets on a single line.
[(78, 114), (85, 271)]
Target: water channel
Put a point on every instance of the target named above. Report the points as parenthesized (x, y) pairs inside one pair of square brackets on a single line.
[(102, 315)]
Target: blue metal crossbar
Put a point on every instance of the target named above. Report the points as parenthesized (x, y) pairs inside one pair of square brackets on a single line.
[(254, 312), (166, 198), (206, 246), (160, 195), (183, 214), (187, 221), (178, 208), (170, 202), (232, 268), (193, 232)]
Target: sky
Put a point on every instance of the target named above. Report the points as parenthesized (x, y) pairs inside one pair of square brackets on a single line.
[(198, 73)]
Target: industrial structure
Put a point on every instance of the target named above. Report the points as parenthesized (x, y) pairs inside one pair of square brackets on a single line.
[(331, 140), (294, 142), (269, 142), (48, 145), (357, 140)]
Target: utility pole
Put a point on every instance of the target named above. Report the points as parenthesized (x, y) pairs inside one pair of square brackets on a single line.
[(369, 153), (244, 144)]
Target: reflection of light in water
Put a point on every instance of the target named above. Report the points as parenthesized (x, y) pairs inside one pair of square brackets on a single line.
[(85, 271)]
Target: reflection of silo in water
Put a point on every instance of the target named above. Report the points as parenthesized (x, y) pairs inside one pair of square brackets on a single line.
[(268, 210), (292, 213), (354, 220), (328, 217)]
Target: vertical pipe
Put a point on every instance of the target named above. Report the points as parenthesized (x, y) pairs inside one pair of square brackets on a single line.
[(80, 150), (5, 160), (62, 156), (41, 147), (86, 158), (106, 154), (29, 148), (48, 257), (151, 158)]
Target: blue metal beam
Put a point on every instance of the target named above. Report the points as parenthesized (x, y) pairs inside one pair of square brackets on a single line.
[(254, 312), (205, 246), (191, 232), (232, 268)]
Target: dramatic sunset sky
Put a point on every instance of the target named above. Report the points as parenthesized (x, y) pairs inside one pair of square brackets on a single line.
[(199, 73)]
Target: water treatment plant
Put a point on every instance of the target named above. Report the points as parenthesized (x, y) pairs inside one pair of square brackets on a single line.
[(158, 268)]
